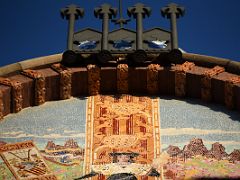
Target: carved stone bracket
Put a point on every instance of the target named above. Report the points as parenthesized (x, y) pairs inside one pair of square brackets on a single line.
[(214, 71), (39, 83), (65, 80), (93, 79), (152, 78), (206, 82), (180, 78), (229, 93), (1, 105), (17, 90), (122, 78)]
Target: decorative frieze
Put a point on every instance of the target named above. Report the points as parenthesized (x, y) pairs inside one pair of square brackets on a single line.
[(93, 79), (206, 82), (17, 90), (40, 85), (122, 78), (214, 71), (180, 78), (65, 80), (152, 78), (229, 92)]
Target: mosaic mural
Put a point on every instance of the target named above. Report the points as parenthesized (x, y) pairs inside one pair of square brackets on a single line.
[(56, 128), (115, 137), (25, 161), (124, 127), (203, 140)]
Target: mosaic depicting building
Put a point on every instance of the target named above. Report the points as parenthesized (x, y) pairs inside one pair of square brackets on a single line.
[(122, 104)]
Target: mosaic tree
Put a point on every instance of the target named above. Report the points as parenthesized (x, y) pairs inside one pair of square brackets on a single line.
[(139, 11), (105, 12), (172, 12), (71, 12)]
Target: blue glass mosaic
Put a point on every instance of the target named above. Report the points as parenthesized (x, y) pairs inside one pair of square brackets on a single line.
[(157, 44), (87, 45), (122, 44)]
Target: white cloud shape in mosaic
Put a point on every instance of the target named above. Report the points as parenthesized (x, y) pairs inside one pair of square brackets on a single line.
[(46, 136), (14, 133), (193, 131), (223, 142), (204, 142), (69, 131)]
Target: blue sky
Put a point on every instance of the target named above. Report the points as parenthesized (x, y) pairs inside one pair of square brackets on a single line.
[(34, 28)]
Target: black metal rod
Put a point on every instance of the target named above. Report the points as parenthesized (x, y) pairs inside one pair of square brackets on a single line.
[(120, 8), (174, 35), (120, 14), (105, 31), (70, 32), (139, 27)]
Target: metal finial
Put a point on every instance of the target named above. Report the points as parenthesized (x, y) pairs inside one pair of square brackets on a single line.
[(172, 12), (139, 11), (105, 12), (71, 13), (121, 21)]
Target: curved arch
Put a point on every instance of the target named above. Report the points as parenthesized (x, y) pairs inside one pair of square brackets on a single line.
[(30, 63), (208, 78)]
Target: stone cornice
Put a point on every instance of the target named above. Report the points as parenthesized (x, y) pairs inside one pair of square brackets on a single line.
[(193, 79)]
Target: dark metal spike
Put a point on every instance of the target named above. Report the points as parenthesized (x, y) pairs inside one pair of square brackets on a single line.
[(139, 11), (105, 12), (173, 11), (121, 21), (71, 12), (120, 9)]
